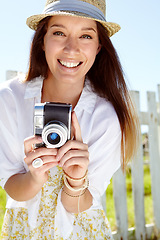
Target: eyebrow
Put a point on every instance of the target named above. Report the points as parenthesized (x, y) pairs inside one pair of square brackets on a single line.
[(57, 25), (83, 29), (89, 29)]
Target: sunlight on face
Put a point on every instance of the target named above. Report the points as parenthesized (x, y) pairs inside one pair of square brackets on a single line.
[(71, 45)]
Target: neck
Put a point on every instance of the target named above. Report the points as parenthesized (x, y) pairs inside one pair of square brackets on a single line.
[(61, 92)]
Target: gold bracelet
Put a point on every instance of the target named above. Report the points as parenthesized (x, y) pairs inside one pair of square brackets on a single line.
[(75, 179), (79, 195), (75, 189)]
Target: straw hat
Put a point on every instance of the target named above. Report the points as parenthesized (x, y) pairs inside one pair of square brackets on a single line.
[(91, 9)]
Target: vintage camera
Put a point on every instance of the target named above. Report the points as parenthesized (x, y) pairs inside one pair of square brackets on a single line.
[(52, 121)]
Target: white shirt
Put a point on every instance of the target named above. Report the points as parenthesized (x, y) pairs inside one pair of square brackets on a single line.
[(100, 130)]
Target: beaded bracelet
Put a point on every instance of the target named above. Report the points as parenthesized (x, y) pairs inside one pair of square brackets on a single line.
[(75, 179), (75, 189), (79, 195)]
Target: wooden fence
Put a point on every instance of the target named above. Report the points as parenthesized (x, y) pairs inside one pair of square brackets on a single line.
[(142, 231)]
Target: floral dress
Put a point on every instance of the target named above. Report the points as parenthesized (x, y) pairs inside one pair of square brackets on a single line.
[(90, 224)]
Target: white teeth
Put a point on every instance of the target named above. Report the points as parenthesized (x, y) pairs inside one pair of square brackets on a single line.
[(69, 64)]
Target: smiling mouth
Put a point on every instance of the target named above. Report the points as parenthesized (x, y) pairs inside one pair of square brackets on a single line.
[(69, 64)]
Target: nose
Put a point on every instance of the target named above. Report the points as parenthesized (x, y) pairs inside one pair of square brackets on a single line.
[(71, 46)]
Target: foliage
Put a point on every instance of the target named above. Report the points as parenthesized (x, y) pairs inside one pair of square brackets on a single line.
[(2, 206)]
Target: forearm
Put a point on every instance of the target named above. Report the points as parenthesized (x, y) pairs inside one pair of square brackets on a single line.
[(76, 204), (22, 187)]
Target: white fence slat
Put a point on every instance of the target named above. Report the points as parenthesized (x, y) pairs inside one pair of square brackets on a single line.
[(141, 231), (159, 115), (120, 201), (144, 118), (137, 182), (103, 200), (154, 156), (159, 96)]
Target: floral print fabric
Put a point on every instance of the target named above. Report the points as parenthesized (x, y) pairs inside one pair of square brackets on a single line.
[(91, 224)]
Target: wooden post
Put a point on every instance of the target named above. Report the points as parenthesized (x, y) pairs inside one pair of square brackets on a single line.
[(137, 181), (11, 74), (159, 115), (120, 201), (154, 157), (159, 98), (103, 200)]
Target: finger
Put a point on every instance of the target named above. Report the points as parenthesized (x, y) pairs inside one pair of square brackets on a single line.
[(39, 172), (71, 145), (46, 160), (48, 166), (73, 154), (77, 161), (40, 152), (76, 128), (29, 142)]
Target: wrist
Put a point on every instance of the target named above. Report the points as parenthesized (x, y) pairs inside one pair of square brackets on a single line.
[(35, 182), (76, 182), (72, 189)]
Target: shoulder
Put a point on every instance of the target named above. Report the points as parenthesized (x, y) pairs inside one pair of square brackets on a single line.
[(105, 117), (104, 107), (97, 117), (95, 105), (103, 112), (11, 89), (99, 110)]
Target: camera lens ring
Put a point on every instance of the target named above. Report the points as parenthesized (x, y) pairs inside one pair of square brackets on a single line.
[(56, 128)]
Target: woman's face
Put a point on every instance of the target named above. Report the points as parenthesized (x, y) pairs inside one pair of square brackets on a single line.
[(71, 45)]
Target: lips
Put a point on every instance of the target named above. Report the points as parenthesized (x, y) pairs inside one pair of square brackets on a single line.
[(69, 64)]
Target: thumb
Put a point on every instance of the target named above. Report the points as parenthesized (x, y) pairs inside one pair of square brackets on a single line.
[(76, 130)]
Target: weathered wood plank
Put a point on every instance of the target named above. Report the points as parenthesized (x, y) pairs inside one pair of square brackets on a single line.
[(131, 232), (159, 96), (159, 114), (154, 156), (137, 182), (144, 118), (104, 201), (120, 201)]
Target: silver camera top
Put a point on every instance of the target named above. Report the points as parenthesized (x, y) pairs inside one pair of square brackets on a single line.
[(52, 121)]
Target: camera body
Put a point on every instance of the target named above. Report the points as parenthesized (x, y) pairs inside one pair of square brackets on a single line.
[(52, 121)]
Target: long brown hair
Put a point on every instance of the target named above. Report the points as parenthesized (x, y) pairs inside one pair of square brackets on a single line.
[(107, 79)]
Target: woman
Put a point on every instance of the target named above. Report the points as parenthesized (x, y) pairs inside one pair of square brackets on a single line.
[(72, 60)]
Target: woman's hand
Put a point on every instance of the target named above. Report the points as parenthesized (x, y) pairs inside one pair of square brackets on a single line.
[(24, 186), (48, 156), (73, 157)]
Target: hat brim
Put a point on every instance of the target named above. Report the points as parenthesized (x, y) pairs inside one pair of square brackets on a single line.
[(34, 20)]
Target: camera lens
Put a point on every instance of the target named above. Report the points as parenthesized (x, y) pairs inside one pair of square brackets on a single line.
[(55, 134), (53, 138)]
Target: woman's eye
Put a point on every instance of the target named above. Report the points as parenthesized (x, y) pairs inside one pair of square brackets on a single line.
[(58, 33), (86, 36)]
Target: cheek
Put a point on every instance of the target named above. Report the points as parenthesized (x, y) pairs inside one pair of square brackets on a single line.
[(49, 52), (92, 53)]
